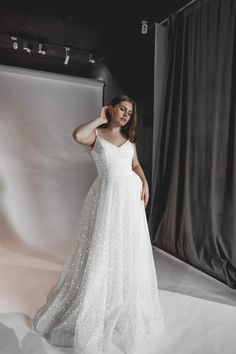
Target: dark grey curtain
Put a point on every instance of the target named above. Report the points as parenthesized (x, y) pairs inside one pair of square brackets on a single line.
[(193, 191)]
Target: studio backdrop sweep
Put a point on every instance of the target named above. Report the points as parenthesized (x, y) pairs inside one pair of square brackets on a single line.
[(44, 173)]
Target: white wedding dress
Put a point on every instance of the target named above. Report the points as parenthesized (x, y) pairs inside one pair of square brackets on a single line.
[(107, 291)]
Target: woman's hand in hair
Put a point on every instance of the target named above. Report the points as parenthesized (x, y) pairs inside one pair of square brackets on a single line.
[(104, 114)]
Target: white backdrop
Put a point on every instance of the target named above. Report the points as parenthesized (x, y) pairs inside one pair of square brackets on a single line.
[(44, 173)]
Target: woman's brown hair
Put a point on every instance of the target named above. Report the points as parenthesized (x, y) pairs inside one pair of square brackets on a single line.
[(128, 130)]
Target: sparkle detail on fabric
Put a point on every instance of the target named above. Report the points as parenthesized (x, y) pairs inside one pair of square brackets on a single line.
[(107, 291)]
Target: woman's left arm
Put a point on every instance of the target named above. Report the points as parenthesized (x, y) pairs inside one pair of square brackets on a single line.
[(136, 167)]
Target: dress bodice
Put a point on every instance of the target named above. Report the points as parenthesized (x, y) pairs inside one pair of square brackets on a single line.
[(112, 160)]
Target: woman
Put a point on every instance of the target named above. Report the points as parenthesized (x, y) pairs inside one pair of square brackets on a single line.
[(107, 291)]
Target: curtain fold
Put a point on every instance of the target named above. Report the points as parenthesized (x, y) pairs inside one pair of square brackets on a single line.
[(193, 191)]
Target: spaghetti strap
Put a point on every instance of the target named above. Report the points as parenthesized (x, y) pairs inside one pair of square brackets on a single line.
[(96, 131)]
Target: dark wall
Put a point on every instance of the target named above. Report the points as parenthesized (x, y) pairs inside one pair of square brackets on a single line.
[(116, 43)]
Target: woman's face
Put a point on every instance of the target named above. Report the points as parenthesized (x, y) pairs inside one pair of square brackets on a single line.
[(121, 112)]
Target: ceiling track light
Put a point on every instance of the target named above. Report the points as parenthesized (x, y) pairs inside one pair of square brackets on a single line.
[(42, 49), (15, 43), (91, 59), (54, 50), (67, 58), (27, 47)]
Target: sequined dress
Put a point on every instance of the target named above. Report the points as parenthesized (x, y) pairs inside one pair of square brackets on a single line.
[(107, 291)]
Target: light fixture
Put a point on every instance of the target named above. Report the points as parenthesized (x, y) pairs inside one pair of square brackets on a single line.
[(144, 27), (15, 43), (91, 59), (27, 47), (39, 47), (42, 49), (67, 58)]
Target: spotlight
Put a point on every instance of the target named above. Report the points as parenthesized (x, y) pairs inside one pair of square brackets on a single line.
[(67, 58), (27, 47), (144, 27), (15, 43), (42, 49), (91, 59)]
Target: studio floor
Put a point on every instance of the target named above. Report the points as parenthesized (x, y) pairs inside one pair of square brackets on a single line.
[(199, 311)]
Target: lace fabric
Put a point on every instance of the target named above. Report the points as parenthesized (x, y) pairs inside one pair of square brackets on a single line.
[(107, 291)]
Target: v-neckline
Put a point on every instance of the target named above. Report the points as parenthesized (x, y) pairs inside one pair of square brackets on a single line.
[(118, 147)]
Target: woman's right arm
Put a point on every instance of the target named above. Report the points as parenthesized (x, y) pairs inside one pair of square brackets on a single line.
[(85, 133)]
